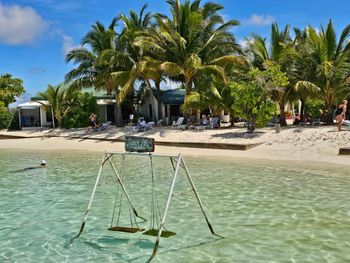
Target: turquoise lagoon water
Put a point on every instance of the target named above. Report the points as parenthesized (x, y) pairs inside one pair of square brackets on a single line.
[(266, 212)]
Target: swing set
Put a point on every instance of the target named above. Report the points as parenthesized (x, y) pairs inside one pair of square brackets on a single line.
[(157, 221)]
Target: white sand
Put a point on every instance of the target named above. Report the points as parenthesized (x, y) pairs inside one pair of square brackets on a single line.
[(311, 144)]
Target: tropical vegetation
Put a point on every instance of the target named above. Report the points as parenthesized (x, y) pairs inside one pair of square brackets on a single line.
[(195, 47), (10, 88), (62, 101)]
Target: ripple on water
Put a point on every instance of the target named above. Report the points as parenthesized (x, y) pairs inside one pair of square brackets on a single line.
[(267, 212)]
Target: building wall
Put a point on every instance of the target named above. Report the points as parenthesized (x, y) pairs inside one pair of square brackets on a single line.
[(43, 116), (144, 108)]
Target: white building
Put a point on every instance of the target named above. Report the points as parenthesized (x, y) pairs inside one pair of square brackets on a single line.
[(34, 114)]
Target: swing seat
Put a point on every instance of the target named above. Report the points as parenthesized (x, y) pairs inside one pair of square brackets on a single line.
[(125, 229), (154, 232)]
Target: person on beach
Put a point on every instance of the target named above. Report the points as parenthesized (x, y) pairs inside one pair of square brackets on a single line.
[(93, 118), (340, 113), (93, 123)]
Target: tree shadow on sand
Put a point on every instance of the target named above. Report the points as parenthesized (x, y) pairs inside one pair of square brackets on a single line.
[(240, 135)]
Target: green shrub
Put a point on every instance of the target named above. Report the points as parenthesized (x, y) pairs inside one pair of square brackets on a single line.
[(251, 103), (5, 117), (14, 125), (315, 108), (79, 116)]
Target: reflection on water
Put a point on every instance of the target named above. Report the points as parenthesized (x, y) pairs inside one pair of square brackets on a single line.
[(267, 212)]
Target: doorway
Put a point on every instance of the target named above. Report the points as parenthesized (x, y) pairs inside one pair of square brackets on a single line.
[(110, 113)]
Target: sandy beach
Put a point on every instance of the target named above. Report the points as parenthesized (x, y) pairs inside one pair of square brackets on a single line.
[(306, 144)]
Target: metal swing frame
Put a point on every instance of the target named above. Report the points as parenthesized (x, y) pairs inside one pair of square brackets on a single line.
[(179, 163)]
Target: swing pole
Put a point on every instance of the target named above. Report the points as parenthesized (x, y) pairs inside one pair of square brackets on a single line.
[(197, 196), (124, 190), (179, 158), (105, 158)]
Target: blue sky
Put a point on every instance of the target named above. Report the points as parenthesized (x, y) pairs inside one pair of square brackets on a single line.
[(36, 34)]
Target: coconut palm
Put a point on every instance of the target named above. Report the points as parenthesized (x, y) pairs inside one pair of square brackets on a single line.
[(133, 64), (192, 42), (280, 52), (332, 67), (303, 67), (62, 100), (92, 71)]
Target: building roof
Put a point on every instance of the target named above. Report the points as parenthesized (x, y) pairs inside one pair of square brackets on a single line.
[(99, 95), (32, 104), (175, 96)]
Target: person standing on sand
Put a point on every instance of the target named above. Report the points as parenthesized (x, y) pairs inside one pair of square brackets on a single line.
[(340, 113)]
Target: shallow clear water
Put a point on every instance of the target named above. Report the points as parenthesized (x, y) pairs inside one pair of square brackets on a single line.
[(267, 212)]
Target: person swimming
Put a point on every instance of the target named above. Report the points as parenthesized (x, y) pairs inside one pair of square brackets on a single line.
[(42, 165)]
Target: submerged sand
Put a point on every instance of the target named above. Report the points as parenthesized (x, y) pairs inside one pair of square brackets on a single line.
[(307, 144)]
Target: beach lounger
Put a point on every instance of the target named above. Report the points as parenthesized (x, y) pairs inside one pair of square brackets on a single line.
[(143, 128), (104, 126), (346, 123), (214, 123), (179, 124), (179, 121), (316, 122)]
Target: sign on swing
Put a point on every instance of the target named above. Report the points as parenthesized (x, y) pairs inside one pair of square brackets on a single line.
[(139, 144)]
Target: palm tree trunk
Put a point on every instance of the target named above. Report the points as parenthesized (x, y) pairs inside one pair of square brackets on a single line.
[(157, 83), (302, 110), (152, 99), (59, 121), (118, 113), (329, 116), (283, 121)]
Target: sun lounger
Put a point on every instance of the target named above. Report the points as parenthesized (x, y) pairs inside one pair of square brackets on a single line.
[(214, 122), (316, 122), (179, 124), (179, 121), (346, 123), (145, 127), (105, 126)]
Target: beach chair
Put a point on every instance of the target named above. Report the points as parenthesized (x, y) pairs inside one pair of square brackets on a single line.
[(214, 123), (144, 127), (104, 126), (160, 123), (179, 121), (149, 125), (316, 122), (179, 124), (346, 124)]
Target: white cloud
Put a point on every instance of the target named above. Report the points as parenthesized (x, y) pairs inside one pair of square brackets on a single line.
[(243, 43), (37, 70), (259, 20), (68, 44), (20, 25)]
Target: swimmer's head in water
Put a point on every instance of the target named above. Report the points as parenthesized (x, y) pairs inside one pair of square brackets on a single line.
[(43, 162)]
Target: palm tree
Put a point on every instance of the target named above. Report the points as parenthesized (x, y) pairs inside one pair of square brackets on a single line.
[(332, 67), (62, 100), (280, 52), (133, 64), (193, 42), (303, 67), (92, 71)]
